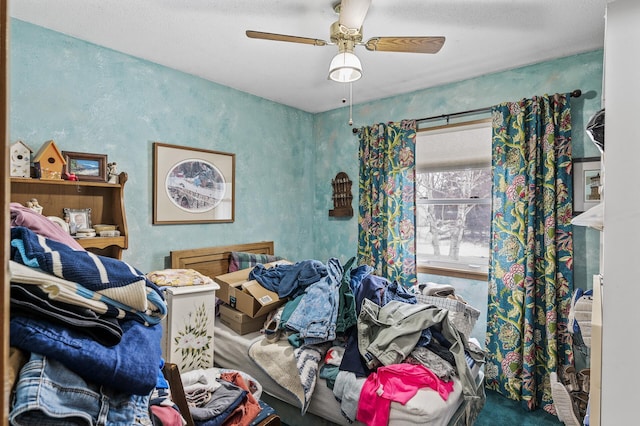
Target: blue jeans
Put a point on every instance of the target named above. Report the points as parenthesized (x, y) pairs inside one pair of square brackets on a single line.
[(131, 366), (49, 394), (315, 316), (289, 280)]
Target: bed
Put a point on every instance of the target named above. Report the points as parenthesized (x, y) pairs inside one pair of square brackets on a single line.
[(233, 351)]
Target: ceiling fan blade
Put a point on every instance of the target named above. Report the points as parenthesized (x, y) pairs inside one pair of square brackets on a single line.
[(405, 44), (283, 37), (353, 12)]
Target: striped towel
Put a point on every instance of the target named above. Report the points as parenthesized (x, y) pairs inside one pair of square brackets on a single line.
[(110, 277)]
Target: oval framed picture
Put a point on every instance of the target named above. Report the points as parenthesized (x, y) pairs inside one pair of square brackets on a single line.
[(192, 185), (195, 185)]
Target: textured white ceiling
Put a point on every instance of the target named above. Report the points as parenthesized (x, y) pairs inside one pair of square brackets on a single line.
[(207, 38)]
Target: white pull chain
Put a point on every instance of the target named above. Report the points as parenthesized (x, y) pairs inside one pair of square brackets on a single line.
[(350, 104)]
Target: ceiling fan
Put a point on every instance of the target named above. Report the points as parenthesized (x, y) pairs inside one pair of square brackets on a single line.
[(346, 33)]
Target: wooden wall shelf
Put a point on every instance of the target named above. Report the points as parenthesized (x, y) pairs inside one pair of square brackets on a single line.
[(106, 201), (341, 196)]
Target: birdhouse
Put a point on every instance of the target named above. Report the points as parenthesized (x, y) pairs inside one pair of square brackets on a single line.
[(49, 161), (20, 160)]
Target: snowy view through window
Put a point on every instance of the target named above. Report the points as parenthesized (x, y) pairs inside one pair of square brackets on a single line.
[(453, 198)]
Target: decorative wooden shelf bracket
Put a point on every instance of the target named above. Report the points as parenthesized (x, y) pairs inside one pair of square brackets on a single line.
[(341, 196)]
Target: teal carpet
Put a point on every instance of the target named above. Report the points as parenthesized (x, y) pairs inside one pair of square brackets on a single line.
[(501, 411)]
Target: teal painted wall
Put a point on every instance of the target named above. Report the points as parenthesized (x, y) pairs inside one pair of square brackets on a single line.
[(91, 99)]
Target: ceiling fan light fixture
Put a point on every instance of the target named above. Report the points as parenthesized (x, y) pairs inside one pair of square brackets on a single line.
[(345, 68)]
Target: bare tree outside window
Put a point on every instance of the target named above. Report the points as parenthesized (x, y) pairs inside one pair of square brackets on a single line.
[(453, 212)]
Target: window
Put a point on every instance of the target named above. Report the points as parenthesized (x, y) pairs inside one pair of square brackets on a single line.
[(453, 199)]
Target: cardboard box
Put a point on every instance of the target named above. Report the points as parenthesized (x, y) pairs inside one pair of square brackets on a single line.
[(240, 322), (248, 296)]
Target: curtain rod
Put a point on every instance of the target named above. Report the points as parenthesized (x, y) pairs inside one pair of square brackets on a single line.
[(575, 94)]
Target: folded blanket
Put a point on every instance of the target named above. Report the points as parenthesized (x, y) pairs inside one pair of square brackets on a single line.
[(111, 277), (24, 216), (31, 301), (178, 277), (65, 291)]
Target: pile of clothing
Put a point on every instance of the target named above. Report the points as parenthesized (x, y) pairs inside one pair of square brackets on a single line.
[(84, 331), (224, 397), (85, 336), (397, 347), (378, 343)]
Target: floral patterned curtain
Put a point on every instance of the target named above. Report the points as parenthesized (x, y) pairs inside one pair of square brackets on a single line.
[(386, 220), (531, 271)]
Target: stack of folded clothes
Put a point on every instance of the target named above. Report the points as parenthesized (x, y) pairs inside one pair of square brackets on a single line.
[(88, 331)]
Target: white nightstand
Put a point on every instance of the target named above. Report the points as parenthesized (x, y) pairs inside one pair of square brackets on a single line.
[(188, 329)]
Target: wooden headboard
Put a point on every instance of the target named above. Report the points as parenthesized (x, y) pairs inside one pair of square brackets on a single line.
[(214, 261)]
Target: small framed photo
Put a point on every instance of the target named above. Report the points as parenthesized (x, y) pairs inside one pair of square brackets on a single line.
[(586, 183), (77, 219), (87, 167)]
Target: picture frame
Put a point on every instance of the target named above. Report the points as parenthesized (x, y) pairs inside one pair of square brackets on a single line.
[(77, 219), (86, 166), (192, 185), (586, 183)]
